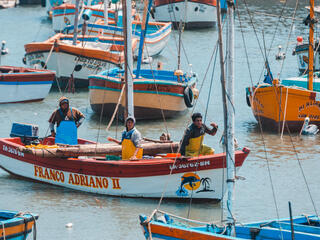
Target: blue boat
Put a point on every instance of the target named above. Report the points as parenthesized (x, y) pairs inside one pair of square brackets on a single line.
[(16, 225), (163, 226)]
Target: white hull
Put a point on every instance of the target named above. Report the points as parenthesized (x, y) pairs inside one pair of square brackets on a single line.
[(23, 92), (152, 47), (197, 14), (64, 63), (149, 187)]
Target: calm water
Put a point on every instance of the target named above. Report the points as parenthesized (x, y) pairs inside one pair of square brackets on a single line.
[(101, 217)]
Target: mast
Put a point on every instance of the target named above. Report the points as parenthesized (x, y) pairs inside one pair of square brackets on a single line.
[(230, 111), (105, 5), (144, 25), (128, 63), (228, 108), (311, 32), (76, 18)]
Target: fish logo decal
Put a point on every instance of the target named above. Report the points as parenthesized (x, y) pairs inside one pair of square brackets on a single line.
[(192, 182), (189, 181)]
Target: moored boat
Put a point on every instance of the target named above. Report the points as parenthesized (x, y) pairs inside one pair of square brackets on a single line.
[(90, 55), (301, 50), (156, 38), (162, 225), (18, 84), (16, 225), (8, 3), (167, 94), (49, 163), (63, 15), (285, 107), (194, 13)]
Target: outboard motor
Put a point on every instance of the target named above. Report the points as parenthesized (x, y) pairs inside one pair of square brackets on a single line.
[(28, 133)]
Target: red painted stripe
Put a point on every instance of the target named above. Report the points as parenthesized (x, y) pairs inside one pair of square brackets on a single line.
[(33, 100), (158, 3)]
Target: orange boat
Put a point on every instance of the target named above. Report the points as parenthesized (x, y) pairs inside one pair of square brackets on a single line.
[(277, 106)]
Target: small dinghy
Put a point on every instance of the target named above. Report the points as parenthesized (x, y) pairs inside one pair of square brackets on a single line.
[(16, 225)]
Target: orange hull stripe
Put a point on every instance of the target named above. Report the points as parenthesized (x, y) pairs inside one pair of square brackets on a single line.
[(16, 229), (182, 234)]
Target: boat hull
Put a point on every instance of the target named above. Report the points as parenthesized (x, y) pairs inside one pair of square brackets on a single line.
[(141, 178), (23, 84), (60, 55), (157, 36), (199, 14), (165, 97), (274, 105), (165, 227), (16, 226)]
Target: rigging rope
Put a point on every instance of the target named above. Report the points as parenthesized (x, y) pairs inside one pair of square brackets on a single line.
[(291, 28)]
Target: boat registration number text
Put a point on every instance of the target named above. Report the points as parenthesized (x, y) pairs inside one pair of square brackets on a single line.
[(12, 151)]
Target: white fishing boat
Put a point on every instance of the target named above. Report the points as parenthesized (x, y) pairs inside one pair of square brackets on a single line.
[(73, 63), (85, 166), (156, 38), (18, 84), (193, 13)]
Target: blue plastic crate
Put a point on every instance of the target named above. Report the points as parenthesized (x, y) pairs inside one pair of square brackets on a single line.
[(24, 130)]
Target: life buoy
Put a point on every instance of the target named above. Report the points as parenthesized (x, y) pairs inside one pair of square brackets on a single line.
[(188, 97)]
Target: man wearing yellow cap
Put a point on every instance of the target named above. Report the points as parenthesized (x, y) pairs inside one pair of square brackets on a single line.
[(130, 141), (192, 142)]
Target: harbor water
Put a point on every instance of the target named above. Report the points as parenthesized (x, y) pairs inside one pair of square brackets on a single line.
[(276, 171)]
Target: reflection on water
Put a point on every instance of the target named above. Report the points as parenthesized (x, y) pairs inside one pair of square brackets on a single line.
[(100, 217)]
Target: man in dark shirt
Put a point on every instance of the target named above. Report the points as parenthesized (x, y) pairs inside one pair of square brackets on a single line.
[(68, 120), (192, 142)]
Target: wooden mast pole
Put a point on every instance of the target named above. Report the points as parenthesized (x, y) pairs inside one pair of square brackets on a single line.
[(311, 33), (76, 18), (128, 60)]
